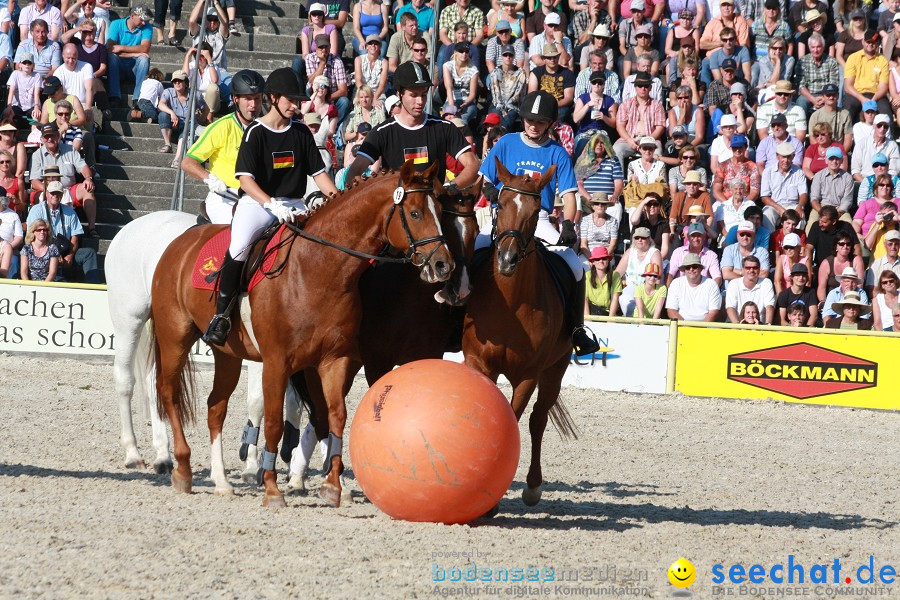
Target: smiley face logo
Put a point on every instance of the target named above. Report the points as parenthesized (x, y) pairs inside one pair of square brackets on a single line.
[(682, 573)]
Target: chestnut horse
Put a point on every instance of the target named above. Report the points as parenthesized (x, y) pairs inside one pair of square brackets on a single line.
[(515, 318), (307, 314)]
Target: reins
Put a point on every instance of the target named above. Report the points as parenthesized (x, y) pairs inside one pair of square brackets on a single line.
[(529, 246)]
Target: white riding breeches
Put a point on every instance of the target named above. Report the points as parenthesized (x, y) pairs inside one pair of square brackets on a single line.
[(250, 220), (549, 235), (219, 209)]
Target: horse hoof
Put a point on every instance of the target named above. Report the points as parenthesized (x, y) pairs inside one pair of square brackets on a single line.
[(245, 448), (493, 512), (180, 485), (135, 463), (531, 496), (162, 467), (330, 494), (296, 486), (224, 492), (274, 501), (249, 475)]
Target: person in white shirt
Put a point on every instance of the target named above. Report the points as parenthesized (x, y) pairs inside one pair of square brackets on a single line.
[(76, 76), (750, 288), (693, 297)]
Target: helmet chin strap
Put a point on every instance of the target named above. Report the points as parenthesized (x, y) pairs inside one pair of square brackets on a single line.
[(541, 138)]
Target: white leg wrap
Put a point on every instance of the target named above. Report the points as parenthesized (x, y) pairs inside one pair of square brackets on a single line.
[(302, 453)]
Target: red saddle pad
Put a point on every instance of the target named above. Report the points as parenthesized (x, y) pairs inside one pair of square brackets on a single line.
[(211, 256)]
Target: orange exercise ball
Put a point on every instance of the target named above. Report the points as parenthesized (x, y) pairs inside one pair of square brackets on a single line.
[(434, 441)]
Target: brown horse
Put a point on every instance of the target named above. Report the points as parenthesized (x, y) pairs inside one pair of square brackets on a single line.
[(515, 319), (306, 316)]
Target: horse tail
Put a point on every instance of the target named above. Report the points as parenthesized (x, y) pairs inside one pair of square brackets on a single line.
[(562, 420), (144, 370), (298, 381), (183, 392)]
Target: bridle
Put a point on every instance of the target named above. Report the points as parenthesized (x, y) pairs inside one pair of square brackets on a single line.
[(459, 260), (514, 233)]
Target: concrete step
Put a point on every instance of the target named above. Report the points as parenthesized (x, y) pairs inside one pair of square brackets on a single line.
[(128, 188), (126, 129), (145, 159), (122, 145), (158, 176), (122, 216), (266, 65), (261, 8), (237, 59), (285, 26)]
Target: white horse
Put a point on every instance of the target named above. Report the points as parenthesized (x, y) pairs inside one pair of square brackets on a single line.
[(131, 261)]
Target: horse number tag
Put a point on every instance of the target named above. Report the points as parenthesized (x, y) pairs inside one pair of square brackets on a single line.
[(399, 193)]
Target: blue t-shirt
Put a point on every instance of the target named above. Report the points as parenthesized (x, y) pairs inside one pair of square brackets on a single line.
[(66, 216), (741, 55), (119, 32), (604, 180), (731, 257), (589, 124), (523, 158), (425, 17)]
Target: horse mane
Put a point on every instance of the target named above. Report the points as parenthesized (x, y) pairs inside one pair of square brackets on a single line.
[(360, 184)]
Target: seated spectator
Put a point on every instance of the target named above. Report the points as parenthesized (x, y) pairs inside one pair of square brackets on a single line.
[(40, 10), (777, 64), (885, 221), (832, 186), (173, 111), (461, 83), (728, 214), (552, 35), (696, 246), (822, 236), (64, 223), (884, 304), (683, 31), (797, 293), (371, 69), (400, 48), (842, 258), (321, 134), (866, 77), (336, 13), (8, 142), (635, 260), (604, 286), (316, 27), (749, 314), (451, 15), (40, 258), (586, 18), (599, 230), (24, 96), (814, 159), (45, 53), (671, 153), (629, 90), (788, 224), (639, 118), (508, 87), (596, 171), (504, 37), (631, 24), (555, 79), (852, 313), (68, 133), (11, 236), (200, 60), (320, 104), (643, 49), (650, 297), (6, 45), (425, 17), (763, 235), (129, 50), (719, 93), (92, 52), (733, 256), (79, 13), (889, 261), (848, 282), (689, 116), (54, 153), (76, 77), (150, 93), (711, 38), (649, 214), (693, 194), (370, 18), (820, 75), (750, 287), (814, 22), (693, 297), (781, 104), (55, 92), (721, 148), (730, 50), (594, 111), (323, 64), (827, 111), (744, 116), (737, 166), (352, 148), (881, 191), (600, 46), (675, 65), (865, 127), (766, 153), (363, 112), (782, 187), (865, 150), (787, 259)]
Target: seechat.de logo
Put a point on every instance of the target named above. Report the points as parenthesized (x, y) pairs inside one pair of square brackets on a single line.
[(802, 370), (682, 573)]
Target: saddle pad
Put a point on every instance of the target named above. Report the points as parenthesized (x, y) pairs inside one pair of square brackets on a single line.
[(209, 261), (559, 271)]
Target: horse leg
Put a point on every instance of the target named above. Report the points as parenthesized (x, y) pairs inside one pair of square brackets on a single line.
[(274, 378), (336, 378), (293, 413), (127, 341), (228, 372), (548, 394), (172, 360), (249, 452), (163, 462)]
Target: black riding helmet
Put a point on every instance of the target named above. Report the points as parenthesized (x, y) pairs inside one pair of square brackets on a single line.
[(411, 75), (247, 82), (284, 82), (539, 106)]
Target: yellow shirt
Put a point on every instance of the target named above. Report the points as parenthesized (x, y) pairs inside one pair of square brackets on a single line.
[(219, 146), (867, 73)]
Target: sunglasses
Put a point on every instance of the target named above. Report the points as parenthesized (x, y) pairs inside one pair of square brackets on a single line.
[(835, 158), (653, 205), (782, 94), (689, 157), (692, 267), (882, 126), (49, 136), (684, 97), (843, 243), (876, 165), (45, 230), (651, 276), (642, 86), (419, 49), (5, 162), (751, 268), (823, 134), (789, 247), (745, 234), (888, 281), (887, 185), (726, 40), (63, 114)]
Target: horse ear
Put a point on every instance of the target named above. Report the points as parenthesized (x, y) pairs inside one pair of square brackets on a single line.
[(407, 170), (502, 173), (430, 172), (476, 187), (547, 176)]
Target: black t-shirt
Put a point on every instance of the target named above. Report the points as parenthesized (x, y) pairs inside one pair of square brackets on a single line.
[(823, 241), (656, 231), (787, 297), (555, 84), (334, 8), (279, 161), (430, 142)]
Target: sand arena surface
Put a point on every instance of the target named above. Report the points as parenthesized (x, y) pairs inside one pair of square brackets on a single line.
[(650, 479)]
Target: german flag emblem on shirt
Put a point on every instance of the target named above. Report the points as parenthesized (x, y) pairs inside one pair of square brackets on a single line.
[(282, 160), (418, 155)]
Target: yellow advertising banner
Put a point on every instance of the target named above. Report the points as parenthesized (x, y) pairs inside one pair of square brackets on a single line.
[(816, 368)]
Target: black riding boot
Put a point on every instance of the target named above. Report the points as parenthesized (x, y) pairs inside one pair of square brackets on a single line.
[(229, 286), (582, 341)]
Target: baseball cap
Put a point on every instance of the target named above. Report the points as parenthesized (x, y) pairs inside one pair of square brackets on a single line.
[(49, 128), (641, 232), (652, 269), (778, 119), (834, 152), (637, 5), (738, 140), (51, 84), (799, 268), (728, 120), (503, 25), (858, 14), (729, 64), (746, 226), (602, 30), (363, 127), (690, 260), (491, 119), (598, 76), (449, 109), (893, 234), (791, 240), (312, 118), (882, 118), (54, 187), (212, 13), (507, 50), (142, 12), (552, 19), (322, 41), (696, 228), (870, 105), (871, 35), (738, 88), (830, 88), (647, 141), (372, 38), (726, 2), (27, 57), (785, 149), (879, 159), (179, 75), (390, 103), (462, 47), (772, 4), (679, 130), (643, 30), (317, 7)]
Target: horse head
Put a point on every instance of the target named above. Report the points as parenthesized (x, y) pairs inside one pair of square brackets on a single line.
[(518, 206), (461, 228), (418, 231)]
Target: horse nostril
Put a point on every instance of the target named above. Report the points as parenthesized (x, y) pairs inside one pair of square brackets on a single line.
[(441, 267)]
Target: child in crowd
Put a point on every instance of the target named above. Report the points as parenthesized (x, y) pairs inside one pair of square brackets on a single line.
[(750, 314), (24, 92), (148, 100)]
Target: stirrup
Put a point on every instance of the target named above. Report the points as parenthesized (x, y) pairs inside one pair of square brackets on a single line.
[(218, 330), (583, 342)]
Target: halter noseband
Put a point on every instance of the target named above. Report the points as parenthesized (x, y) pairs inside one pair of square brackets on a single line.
[(412, 254), (513, 233)]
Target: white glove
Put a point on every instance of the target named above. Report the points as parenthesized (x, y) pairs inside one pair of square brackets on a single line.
[(215, 184), (281, 210)]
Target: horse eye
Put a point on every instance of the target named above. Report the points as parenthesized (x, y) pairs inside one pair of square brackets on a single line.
[(415, 214)]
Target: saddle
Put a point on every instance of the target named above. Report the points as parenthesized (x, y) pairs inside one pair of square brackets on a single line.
[(205, 274)]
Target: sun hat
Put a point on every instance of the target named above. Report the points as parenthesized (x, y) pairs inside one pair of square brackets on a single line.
[(690, 260), (692, 176), (372, 38), (322, 41), (647, 141), (696, 211), (783, 86), (652, 269), (790, 240), (549, 50), (785, 149), (54, 187), (849, 273), (851, 298), (641, 232), (746, 226), (600, 198), (738, 88), (728, 121), (598, 253), (8, 127), (812, 15), (312, 118), (602, 30)]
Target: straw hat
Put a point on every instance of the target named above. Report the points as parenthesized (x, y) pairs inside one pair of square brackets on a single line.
[(696, 211), (692, 177), (851, 299)]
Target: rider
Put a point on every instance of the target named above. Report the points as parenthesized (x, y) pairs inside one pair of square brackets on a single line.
[(275, 158), (532, 151), (219, 144), (414, 134)]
